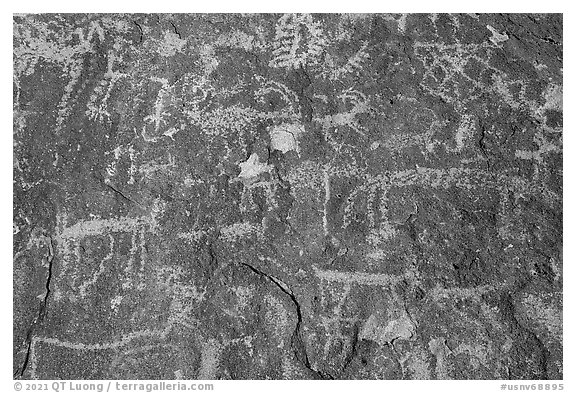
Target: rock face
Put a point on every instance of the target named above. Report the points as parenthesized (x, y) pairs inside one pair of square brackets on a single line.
[(288, 196)]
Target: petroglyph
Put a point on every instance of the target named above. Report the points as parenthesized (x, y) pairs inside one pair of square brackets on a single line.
[(357, 101), (239, 230), (298, 41), (96, 227), (299, 196), (100, 270), (209, 361)]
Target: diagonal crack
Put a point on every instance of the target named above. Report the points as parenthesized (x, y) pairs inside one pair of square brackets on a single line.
[(50, 260), (43, 307), (140, 29), (297, 341), (122, 194), (176, 30), (482, 143)]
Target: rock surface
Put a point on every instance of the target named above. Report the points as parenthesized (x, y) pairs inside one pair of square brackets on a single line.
[(288, 196)]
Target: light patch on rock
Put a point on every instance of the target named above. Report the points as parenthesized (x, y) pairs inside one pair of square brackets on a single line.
[(545, 315), (209, 359), (290, 370), (526, 155), (439, 349), (243, 295), (402, 23), (285, 137), (277, 316), (502, 88), (191, 236), (377, 255), (115, 302), (209, 60), (465, 132), (553, 97), (239, 39), (417, 364), (252, 168), (189, 181), (357, 17), (238, 231), (306, 181), (157, 210), (384, 332), (171, 44), (497, 38), (378, 235)]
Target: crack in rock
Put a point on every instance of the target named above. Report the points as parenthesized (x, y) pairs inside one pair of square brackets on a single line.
[(298, 344)]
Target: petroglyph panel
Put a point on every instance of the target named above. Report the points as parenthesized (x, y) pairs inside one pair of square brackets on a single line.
[(206, 196)]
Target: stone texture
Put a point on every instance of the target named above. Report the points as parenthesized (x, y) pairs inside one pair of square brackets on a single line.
[(288, 196)]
